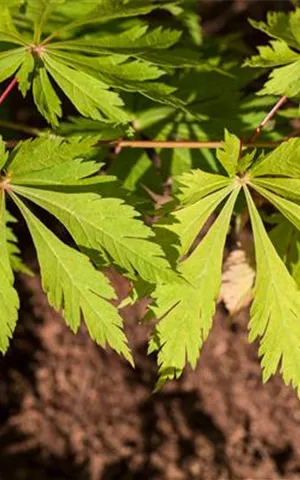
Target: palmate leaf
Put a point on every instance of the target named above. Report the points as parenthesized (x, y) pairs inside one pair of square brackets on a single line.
[(47, 171), (72, 284), (186, 311), (285, 28), (79, 66), (9, 300), (275, 312)]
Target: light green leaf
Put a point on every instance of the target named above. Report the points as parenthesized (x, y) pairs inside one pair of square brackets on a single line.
[(73, 285), (275, 312), (65, 173), (8, 32), (289, 209), (85, 126), (9, 301), (89, 95), (45, 97), (104, 10), (190, 220), (295, 24), (278, 53), (113, 74), (13, 249), (283, 81), (176, 58), (196, 184), (284, 27), (278, 26), (112, 70), (186, 311), (228, 154), (286, 187), (39, 11), (3, 154), (47, 151), (283, 161), (10, 60), (108, 226), (286, 239), (25, 72), (130, 42)]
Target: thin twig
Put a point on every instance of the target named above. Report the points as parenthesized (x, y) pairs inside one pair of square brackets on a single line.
[(270, 115), (8, 89), (157, 144), (186, 144)]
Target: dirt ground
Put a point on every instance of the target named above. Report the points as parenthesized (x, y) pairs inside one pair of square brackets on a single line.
[(69, 410)]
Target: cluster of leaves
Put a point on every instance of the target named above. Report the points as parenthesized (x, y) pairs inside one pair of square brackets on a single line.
[(87, 64), (283, 52), (83, 214)]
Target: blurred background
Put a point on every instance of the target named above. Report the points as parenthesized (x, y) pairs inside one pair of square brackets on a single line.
[(69, 410)]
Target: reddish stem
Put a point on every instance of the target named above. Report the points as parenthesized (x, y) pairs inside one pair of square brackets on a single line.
[(8, 89), (271, 114)]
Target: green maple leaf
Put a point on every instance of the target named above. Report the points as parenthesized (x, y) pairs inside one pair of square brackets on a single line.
[(283, 54), (126, 62), (51, 173)]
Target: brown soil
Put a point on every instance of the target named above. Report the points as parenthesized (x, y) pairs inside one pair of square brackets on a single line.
[(72, 411)]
